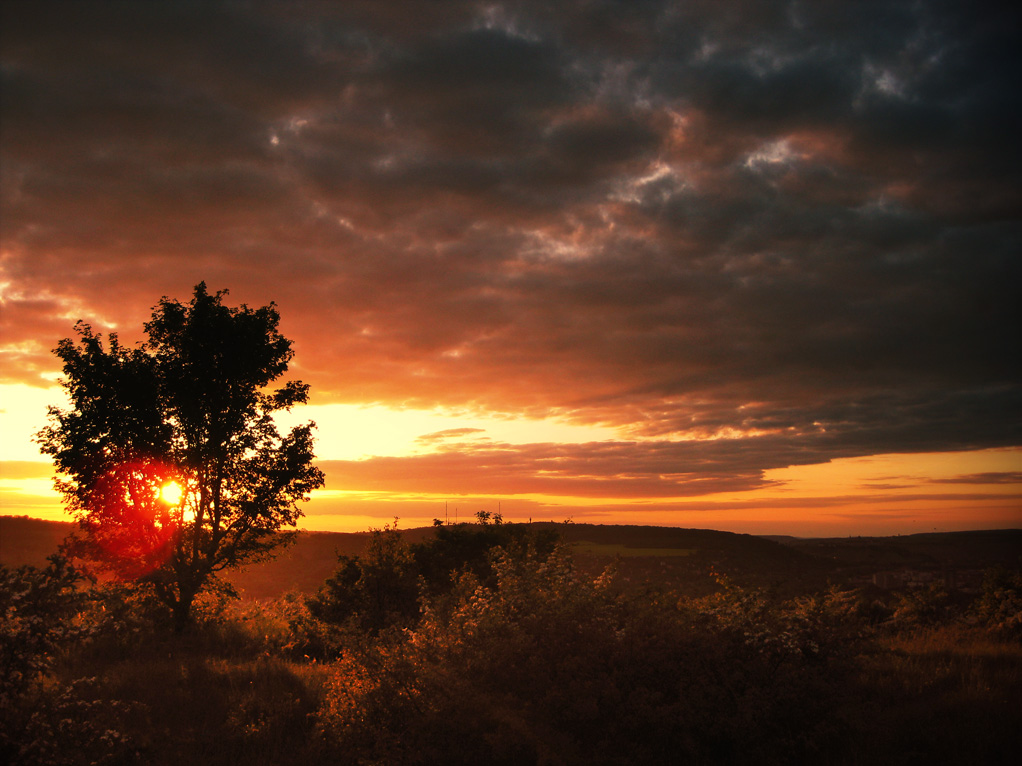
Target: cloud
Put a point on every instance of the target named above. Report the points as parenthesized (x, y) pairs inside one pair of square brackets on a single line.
[(449, 433), (607, 469), (990, 477), (600, 469), (793, 223)]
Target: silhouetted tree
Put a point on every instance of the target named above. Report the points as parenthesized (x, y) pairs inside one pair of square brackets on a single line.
[(174, 467)]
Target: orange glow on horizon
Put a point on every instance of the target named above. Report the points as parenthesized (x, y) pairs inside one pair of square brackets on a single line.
[(877, 494)]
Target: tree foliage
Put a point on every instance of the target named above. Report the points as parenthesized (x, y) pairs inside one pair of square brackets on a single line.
[(455, 548), (188, 407)]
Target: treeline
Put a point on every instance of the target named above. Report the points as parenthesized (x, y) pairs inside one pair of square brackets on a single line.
[(487, 644)]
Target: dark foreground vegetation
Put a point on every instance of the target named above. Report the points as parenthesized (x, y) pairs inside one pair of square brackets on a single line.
[(498, 643)]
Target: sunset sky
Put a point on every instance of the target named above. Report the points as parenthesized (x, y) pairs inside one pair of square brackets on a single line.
[(750, 266)]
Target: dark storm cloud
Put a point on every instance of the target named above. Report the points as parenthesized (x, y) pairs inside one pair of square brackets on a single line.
[(797, 221)]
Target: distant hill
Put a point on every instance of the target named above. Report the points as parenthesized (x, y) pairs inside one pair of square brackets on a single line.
[(664, 554), (979, 549), (303, 566), (24, 540), (685, 559), (689, 559)]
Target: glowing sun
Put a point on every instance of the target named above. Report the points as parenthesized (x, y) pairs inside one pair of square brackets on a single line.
[(171, 493)]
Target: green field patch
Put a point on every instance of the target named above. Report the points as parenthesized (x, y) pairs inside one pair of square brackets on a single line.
[(606, 549)]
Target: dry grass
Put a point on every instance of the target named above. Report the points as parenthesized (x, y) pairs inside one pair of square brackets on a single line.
[(196, 700), (943, 695)]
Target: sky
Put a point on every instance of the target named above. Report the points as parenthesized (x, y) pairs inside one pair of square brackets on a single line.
[(750, 266)]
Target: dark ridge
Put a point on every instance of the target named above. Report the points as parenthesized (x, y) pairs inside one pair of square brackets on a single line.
[(688, 560), (24, 540), (975, 549)]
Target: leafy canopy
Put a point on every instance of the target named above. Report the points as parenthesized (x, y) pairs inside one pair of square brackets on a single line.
[(188, 407)]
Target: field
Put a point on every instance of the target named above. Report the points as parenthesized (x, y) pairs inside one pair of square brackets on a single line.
[(624, 645)]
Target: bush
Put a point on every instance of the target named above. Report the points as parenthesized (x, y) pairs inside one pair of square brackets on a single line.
[(923, 607), (548, 666), (71, 726), (287, 627), (999, 606), (37, 607), (374, 591), (48, 723), (384, 587)]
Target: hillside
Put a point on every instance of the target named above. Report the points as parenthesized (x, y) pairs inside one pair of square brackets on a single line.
[(689, 559), (982, 548), (662, 554), (957, 559), (24, 540), (865, 677), (685, 559)]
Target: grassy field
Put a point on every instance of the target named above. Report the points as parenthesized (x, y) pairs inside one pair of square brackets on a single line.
[(944, 694)]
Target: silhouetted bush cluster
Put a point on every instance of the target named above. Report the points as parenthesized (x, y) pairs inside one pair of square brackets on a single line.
[(37, 608), (43, 612), (546, 666), (387, 585), (999, 607)]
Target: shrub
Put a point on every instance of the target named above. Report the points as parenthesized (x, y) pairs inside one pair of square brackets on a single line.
[(373, 591), (47, 723), (999, 606), (71, 726), (923, 607), (384, 587), (287, 627), (549, 666), (37, 607)]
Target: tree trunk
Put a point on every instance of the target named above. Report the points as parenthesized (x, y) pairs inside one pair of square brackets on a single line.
[(183, 611)]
